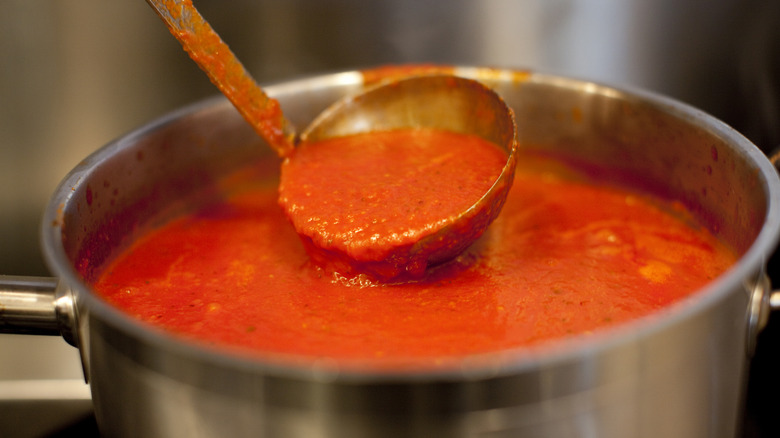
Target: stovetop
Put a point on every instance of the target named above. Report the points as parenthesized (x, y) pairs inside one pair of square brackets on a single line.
[(47, 418), (42, 389)]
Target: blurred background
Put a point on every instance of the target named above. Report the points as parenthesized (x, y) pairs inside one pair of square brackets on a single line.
[(77, 74)]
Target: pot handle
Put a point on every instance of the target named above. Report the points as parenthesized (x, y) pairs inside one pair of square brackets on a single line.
[(37, 306), (773, 298), (763, 298)]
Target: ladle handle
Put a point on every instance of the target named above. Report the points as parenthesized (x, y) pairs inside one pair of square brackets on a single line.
[(225, 71)]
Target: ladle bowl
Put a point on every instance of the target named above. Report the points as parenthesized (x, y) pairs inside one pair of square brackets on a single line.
[(441, 102)]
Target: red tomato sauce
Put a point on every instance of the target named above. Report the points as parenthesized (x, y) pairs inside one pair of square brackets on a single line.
[(566, 256), (362, 201)]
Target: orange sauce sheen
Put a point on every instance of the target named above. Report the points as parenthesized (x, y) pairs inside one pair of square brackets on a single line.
[(566, 256)]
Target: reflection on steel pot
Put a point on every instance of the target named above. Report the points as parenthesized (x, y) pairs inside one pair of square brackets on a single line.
[(677, 373)]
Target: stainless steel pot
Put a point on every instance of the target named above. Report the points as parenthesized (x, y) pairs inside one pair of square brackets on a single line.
[(677, 373)]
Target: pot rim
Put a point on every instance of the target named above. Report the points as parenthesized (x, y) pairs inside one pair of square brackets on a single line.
[(485, 365)]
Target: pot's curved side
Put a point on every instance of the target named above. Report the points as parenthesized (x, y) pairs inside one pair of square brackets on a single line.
[(676, 373), (681, 382)]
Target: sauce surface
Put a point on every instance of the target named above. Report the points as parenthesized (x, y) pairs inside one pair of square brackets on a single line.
[(566, 256), (362, 201)]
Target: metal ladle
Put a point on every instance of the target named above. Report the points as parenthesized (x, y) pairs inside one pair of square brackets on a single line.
[(436, 101)]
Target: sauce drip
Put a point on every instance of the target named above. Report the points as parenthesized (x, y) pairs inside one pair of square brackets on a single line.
[(566, 257)]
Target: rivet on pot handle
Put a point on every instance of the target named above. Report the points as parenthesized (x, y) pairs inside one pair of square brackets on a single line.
[(37, 306)]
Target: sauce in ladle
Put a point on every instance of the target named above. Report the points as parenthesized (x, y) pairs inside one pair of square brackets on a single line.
[(456, 191), (368, 199)]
